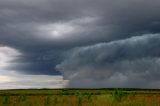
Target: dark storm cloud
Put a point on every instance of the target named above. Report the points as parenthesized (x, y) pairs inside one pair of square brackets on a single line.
[(42, 30), (37, 64), (133, 62)]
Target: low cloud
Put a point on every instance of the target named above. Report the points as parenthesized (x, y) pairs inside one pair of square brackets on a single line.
[(132, 62)]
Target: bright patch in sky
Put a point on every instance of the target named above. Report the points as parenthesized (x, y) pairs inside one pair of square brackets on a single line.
[(10, 79), (57, 30), (13, 80), (7, 54), (4, 79), (60, 30)]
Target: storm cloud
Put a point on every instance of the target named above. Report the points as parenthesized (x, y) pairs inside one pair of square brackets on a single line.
[(132, 62), (45, 32)]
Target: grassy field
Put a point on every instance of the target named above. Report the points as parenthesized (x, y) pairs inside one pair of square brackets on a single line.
[(80, 97)]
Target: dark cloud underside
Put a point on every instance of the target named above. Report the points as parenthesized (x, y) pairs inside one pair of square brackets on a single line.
[(46, 31), (114, 64)]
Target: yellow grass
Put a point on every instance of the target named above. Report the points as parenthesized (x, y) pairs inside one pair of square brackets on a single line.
[(78, 98)]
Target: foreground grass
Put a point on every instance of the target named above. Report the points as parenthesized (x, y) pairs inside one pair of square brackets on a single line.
[(73, 97)]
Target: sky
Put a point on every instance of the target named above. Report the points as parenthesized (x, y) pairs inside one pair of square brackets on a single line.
[(79, 44)]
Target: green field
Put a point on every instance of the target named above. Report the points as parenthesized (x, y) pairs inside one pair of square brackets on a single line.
[(80, 97)]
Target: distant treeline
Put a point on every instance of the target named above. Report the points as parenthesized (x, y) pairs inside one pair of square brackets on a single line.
[(125, 89)]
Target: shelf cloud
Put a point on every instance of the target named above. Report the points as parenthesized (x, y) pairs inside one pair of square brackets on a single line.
[(114, 64)]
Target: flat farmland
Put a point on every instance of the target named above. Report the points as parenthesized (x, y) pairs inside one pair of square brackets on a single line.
[(80, 97)]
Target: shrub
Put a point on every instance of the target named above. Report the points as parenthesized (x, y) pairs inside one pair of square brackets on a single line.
[(79, 95), (5, 100), (55, 100), (46, 100), (22, 97), (118, 94), (89, 96)]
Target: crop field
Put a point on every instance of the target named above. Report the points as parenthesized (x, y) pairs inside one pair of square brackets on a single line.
[(80, 97)]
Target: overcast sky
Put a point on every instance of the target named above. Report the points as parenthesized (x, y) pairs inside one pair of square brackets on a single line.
[(79, 43)]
